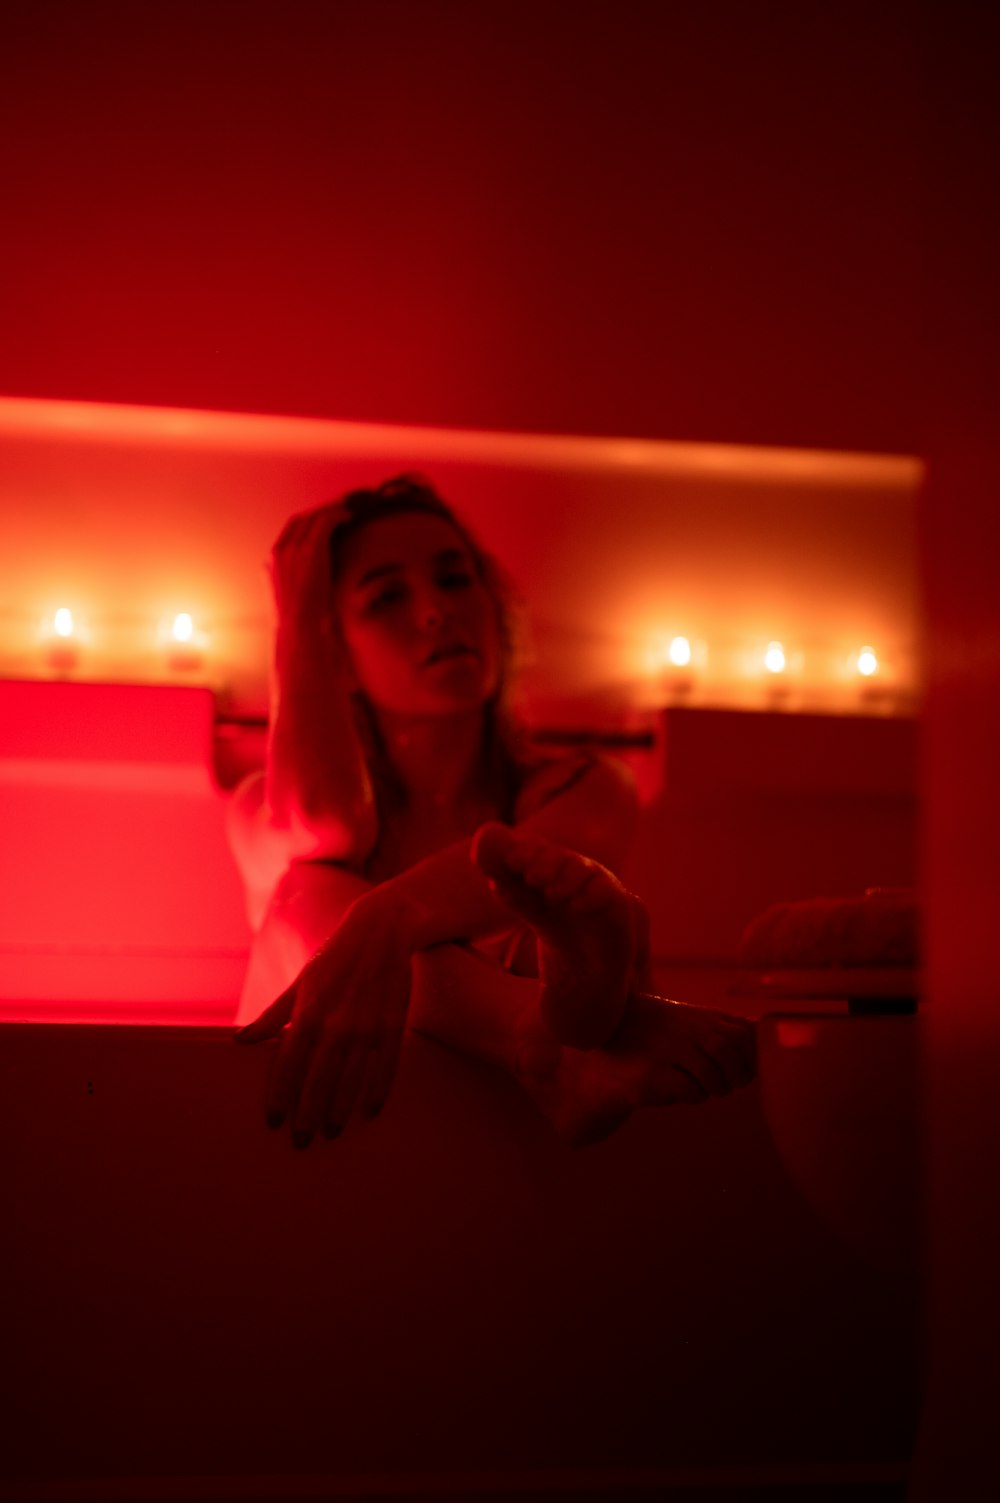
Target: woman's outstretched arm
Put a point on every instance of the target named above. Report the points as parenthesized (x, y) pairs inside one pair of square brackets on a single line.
[(349, 1006), (295, 906), (595, 817)]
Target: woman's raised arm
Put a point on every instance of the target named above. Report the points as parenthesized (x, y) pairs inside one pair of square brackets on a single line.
[(317, 788)]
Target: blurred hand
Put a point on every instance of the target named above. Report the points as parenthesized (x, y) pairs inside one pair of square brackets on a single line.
[(299, 568), (710, 1053), (681, 1053), (341, 1022)]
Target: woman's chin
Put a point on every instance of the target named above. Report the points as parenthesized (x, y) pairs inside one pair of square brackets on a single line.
[(462, 686), (456, 704), (451, 693)]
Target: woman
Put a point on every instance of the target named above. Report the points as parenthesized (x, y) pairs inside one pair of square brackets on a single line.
[(410, 862)]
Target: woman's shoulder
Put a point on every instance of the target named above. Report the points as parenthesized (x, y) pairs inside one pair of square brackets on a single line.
[(244, 802)]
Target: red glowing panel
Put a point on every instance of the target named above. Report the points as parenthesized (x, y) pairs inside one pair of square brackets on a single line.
[(118, 896)]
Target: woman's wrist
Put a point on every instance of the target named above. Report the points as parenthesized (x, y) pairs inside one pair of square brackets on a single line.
[(404, 915), (300, 641)]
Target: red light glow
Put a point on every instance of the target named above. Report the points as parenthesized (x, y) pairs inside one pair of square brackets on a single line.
[(120, 899)]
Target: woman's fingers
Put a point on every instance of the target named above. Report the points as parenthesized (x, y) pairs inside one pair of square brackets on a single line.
[(297, 1049), (293, 531), (299, 527), (717, 1062), (352, 1067), (343, 1046), (331, 1070), (683, 1086), (298, 565), (384, 1060), (710, 1068), (721, 1057), (271, 1020), (365, 1055), (288, 1071), (739, 1040), (340, 1099)]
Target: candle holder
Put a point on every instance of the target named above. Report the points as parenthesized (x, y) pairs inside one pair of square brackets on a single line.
[(61, 640), (184, 647), (63, 657)]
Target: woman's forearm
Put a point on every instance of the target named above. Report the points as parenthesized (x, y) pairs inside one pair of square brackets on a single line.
[(447, 897), (444, 897)]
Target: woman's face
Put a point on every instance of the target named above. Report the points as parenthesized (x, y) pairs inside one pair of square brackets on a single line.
[(409, 590)]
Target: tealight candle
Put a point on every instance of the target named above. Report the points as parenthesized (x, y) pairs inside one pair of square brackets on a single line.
[(777, 685), (63, 651), (679, 652), (185, 650), (677, 677), (874, 692), (774, 658)]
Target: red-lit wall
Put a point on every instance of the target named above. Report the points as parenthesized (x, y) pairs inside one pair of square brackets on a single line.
[(670, 220), (690, 222), (960, 545)]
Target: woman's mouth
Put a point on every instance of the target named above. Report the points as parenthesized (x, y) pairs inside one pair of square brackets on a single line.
[(446, 654)]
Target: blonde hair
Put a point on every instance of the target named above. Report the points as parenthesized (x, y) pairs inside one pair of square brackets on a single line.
[(507, 745)]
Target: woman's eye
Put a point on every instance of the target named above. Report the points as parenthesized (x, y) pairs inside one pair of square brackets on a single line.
[(385, 598), (449, 581)]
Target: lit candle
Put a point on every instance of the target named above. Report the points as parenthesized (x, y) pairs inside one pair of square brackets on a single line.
[(679, 652), (777, 688), (774, 658), (64, 648), (873, 690), (677, 676), (185, 653)]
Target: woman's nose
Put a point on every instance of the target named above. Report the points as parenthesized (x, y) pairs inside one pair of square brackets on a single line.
[(432, 612)]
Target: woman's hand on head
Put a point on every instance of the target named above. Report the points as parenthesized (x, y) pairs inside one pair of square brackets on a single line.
[(299, 569), (341, 1025)]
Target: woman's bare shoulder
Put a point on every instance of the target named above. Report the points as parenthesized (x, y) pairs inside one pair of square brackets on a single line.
[(248, 795)]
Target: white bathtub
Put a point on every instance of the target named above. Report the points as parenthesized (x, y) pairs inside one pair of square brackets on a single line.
[(446, 1301)]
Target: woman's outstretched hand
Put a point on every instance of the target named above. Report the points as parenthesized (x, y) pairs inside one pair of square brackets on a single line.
[(341, 1024)]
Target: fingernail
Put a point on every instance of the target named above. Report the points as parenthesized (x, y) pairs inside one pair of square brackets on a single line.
[(275, 1118), (373, 1111), (301, 1138)]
